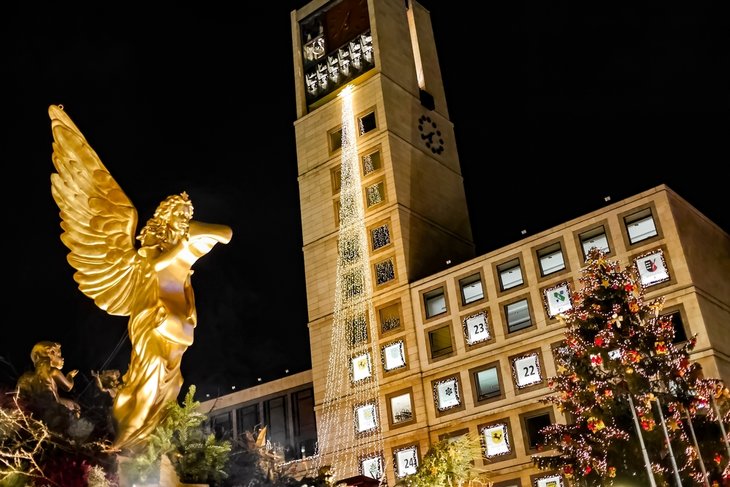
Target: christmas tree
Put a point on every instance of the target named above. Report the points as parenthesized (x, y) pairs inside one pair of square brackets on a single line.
[(620, 372)]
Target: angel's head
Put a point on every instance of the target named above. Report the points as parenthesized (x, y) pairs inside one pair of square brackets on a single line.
[(170, 223)]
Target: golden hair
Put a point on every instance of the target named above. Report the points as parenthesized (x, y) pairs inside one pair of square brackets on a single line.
[(158, 231)]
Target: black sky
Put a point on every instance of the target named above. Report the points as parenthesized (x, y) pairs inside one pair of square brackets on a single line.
[(555, 105)]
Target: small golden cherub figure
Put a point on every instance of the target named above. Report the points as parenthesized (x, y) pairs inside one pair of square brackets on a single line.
[(108, 381), (44, 382)]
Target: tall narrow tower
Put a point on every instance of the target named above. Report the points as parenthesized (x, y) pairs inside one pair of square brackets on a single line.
[(415, 213)]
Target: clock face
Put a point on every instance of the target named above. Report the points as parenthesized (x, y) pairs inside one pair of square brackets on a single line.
[(430, 134)]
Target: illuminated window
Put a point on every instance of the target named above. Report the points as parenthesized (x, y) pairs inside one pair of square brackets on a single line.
[(405, 460), (361, 368), (640, 225), (652, 268), (510, 274), (372, 467), (366, 418), (447, 393), (476, 328), (375, 194), (367, 123), (389, 316), (394, 356), (518, 315), (486, 382), (401, 408), (526, 370), (594, 238), (471, 288), (495, 440), (371, 162), (435, 302), (384, 271), (551, 259), (379, 236), (557, 299)]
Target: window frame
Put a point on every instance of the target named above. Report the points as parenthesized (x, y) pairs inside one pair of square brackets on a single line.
[(366, 186), (633, 211), (331, 146), (398, 369), (369, 152), (525, 417), (389, 397), (498, 274), (376, 415), (490, 328), (460, 287), (536, 250), (431, 329), (475, 385), (424, 309), (606, 231), (678, 309), (389, 282), (511, 454), (373, 109), (459, 392), (399, 304), (386, 223), (505, 323), (511, 360), (400, 448), (667, 263), (536, 478), (552, 319)]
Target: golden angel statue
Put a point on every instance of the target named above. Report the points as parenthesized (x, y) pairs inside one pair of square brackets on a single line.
[(150, 284)]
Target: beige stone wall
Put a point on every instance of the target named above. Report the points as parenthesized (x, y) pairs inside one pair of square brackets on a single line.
[(426, 210)]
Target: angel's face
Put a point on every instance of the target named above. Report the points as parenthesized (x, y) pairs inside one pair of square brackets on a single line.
[(180, 219)]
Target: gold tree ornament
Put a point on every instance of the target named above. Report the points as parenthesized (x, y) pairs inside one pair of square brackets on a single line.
[(150, 284)]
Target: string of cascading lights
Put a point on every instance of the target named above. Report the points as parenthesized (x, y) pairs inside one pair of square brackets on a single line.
[(350, 437)]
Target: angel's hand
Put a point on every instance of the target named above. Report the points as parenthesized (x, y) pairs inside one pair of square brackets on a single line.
[(72, 374)]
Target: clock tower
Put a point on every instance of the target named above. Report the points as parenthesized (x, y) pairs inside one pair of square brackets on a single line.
[(413, 195)]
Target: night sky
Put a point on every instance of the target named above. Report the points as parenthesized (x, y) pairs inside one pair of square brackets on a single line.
[(555, 106)]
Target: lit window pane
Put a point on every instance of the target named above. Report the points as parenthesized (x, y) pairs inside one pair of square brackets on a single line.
[(518, 315), (380, 236), (511, 277), (487, 383), (401, 408), (375, 194), (471, 289), (597, 240), (435, 303), (551, 259), (384, 272), (640, 226)]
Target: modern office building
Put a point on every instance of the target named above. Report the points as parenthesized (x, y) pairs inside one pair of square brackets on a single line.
[(462, 343)]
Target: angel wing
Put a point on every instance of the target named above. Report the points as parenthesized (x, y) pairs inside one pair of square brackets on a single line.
[(98, 222)]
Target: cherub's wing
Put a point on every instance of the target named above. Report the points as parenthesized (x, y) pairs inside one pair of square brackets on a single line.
[(98, 221)]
